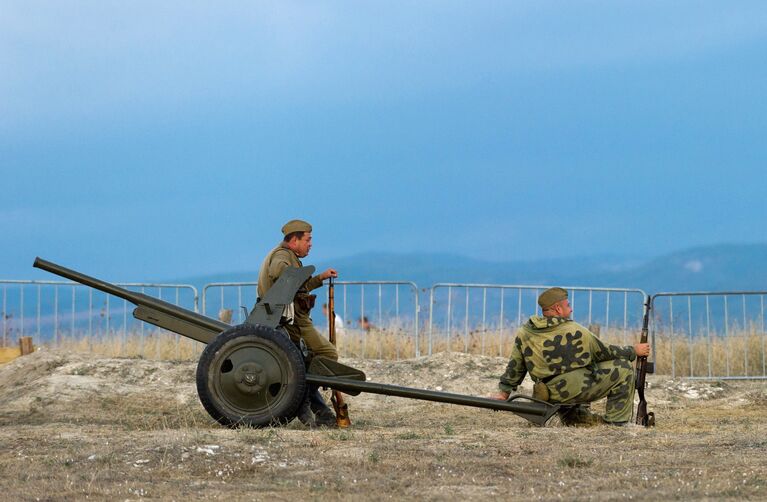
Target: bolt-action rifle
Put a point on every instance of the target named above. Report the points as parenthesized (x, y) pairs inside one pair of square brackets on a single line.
[(341, 408), (643, 417)]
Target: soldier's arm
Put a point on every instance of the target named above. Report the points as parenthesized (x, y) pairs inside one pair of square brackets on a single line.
[(515, 370), (601, 351), (313, 283), (316, 281)]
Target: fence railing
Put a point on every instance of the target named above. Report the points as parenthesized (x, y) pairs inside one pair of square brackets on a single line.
[(480, 317), (390, 310), (393, 318), (55, 312), (710, 334), (237, 297)]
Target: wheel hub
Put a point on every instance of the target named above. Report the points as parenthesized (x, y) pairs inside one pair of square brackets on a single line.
[(250, 378), (251, 375)]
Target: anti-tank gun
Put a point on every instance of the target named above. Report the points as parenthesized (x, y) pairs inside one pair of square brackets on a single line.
[(252, 374)]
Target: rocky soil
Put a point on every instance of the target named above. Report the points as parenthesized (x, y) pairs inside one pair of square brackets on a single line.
[(76, 426)]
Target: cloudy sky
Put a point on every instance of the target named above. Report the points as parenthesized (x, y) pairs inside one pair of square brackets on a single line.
[(154, 140)]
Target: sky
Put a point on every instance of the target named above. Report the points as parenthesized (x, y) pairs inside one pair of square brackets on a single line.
[(151, 140)]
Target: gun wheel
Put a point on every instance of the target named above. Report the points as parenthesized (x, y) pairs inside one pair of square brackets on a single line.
[(251, 376)]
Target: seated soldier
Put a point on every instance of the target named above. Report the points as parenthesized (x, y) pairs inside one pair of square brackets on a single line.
[(569, 364), (296, 244)]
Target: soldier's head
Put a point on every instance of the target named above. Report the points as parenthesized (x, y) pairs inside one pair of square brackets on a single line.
[(297, 237), (554, 302)]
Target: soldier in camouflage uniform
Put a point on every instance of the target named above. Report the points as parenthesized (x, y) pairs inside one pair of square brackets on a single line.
[(569, 363), (295, 245)]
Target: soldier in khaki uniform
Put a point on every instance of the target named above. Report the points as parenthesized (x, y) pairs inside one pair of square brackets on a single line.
[(568, 363), (296, 243)]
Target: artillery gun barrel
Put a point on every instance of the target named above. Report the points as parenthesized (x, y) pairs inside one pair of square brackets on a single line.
[(73, 275), (149, 309)]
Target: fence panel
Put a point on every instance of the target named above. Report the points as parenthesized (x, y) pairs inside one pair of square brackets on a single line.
[(229, 301), (710, 335), (61, 313), (482, 318), (379, 319)]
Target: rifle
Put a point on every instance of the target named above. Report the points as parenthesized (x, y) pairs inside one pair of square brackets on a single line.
[(341, 408), (643, 417)]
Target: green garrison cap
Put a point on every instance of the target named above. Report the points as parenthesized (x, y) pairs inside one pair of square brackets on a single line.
[(551, 296), (296, 226)]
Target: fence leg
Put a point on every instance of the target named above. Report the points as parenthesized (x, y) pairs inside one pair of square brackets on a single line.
[(25, 345)]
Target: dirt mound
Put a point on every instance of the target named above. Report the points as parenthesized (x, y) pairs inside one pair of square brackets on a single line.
[(52, 385), (50, 376), (445, 371), (691, 389), (55, 383), (58, 381)]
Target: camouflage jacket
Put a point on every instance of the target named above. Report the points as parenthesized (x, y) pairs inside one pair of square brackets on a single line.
[(549, 346), (275, 262)]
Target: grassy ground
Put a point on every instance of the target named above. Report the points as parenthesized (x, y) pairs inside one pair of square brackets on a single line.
[(78, 426)]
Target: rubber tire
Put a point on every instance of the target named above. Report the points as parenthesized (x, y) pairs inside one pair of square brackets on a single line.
[(290, 395)]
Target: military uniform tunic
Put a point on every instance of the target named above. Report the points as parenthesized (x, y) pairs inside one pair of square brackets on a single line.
[(573, 364), (274, 264)]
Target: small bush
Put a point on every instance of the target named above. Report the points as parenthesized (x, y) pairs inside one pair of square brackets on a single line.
[(574, 462)]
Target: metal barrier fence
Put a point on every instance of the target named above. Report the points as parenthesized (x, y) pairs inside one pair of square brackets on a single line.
[(390, 307), (55, 312), (395, 319), (482, 316), (707, 335), (711, 335), (238, 297)]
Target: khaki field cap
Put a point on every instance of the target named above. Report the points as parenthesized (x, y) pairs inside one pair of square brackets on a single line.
[(551, 296), (296, 226)]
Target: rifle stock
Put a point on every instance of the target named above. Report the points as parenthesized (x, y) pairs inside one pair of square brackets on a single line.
[(643, 417), (341, 408)]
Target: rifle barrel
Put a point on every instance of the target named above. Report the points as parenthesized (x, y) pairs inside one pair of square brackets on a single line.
[(331, 312)]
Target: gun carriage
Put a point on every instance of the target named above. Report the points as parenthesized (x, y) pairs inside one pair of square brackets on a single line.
[(252, 374)]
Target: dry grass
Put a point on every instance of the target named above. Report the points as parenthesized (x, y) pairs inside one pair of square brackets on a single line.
[(157, 345), (742, 353)]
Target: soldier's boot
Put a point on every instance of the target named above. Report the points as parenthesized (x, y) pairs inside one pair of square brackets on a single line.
[(323, 415), (305, 415), (581, 415)]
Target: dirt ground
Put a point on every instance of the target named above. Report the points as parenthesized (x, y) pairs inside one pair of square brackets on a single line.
[(75, 426)]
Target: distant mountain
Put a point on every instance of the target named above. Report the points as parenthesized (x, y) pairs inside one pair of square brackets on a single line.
[(708, 268), (718, 267), (426, 269)]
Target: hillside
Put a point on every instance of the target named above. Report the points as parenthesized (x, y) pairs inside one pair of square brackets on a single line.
[(719, 267)]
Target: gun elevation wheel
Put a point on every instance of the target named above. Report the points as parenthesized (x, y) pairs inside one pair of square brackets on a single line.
[(252, 376)]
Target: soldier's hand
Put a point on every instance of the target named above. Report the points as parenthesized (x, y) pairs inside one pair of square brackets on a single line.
[(331, 272), (642, 349), (499, 396)]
